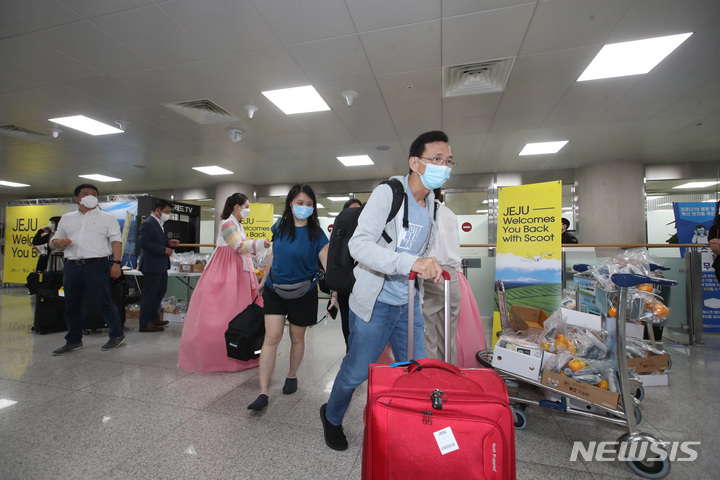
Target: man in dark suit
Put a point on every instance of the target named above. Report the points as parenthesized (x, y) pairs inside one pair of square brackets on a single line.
[(154, 263)]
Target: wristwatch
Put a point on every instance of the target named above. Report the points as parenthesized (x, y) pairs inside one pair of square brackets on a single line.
[(117, 262)]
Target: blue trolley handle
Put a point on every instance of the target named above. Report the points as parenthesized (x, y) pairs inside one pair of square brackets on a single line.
[(581, 267), (654, 266), (633, 280)]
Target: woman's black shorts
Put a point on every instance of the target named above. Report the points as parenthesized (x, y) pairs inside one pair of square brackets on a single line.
[(301, 312)]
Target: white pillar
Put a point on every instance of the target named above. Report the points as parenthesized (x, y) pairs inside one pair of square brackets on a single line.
[(612, 203), (223, 191)]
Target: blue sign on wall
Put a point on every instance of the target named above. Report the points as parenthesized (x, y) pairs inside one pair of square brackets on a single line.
[(693, 222)]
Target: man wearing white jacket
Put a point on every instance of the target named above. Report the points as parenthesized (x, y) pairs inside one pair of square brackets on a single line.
[(379, 300)]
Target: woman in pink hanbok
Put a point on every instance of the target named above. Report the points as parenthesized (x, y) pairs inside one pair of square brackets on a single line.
[(227, 286)]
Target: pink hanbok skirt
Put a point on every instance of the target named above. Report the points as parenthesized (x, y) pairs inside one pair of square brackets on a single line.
[(223, 291)]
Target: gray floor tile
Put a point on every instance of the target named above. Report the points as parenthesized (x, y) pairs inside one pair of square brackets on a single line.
[(130, 413)]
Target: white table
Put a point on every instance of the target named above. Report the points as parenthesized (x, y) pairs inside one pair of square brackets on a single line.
[(184, 277)]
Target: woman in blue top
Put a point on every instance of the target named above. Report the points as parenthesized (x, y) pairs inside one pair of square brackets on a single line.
[(291, 286)]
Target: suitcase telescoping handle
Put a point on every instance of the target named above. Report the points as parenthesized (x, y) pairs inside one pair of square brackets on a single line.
[(411, 314)]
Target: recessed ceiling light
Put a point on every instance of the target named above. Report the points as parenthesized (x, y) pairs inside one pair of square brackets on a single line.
[(319, 205), (356, 160), (100, 178), (543, 148), (338, 199), (12, 184), (333, 214), (86, 125), (481, 211), (297, 100), (697, 184), (213, 170), (485, 201), (631, 58)]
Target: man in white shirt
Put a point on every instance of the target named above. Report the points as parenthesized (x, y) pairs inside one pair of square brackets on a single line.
[(88, 236)]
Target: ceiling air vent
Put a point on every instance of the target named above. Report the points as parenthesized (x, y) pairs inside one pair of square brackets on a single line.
[(476, 78), (23, 133), (202, 111)]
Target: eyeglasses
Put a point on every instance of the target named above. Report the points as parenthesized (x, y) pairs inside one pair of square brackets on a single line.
[(440, 161)]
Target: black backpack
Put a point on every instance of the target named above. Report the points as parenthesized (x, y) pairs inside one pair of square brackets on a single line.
[(340, 264)]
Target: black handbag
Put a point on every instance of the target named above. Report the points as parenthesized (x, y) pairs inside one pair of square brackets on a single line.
[(245, 333)]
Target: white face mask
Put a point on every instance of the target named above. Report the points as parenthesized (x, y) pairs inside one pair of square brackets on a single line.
[(245, 212), (89, 201), (52, 227), (164, 217)]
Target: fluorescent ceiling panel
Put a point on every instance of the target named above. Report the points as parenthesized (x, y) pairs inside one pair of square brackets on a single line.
[(481, 211), (356, 160), (338, 199), (86, 125), (543, 148), (631, 58), (100, 178), (697, 184), (333, 214), (12, 184), (213, 170), (319, 205), (297, 100)]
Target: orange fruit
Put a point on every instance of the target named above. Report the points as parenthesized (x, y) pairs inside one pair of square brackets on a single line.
[(612, 311), (604, 384), (645, 287), (577, 364)]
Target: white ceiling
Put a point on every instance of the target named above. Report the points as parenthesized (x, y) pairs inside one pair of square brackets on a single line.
[(124, 60)]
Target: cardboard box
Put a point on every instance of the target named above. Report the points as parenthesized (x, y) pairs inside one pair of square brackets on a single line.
[(192, 267), (659, 380), (522, 359), (584, 391), (174, 317), (653, 363), (132, 313), (581, 319), (526, 318)]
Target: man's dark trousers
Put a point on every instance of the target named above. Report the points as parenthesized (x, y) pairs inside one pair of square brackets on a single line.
[(154, 289), (92, 279)]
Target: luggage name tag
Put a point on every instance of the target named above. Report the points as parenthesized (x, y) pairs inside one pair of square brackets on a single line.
[(446, 440)]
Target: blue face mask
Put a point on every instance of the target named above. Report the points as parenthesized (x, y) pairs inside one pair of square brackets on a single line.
[(435, 175), (302, 212)]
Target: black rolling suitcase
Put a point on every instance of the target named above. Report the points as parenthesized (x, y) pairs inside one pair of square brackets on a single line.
[(92, 320), (49, 305)]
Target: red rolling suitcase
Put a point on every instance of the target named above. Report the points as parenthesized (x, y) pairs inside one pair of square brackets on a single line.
[(430, 419)]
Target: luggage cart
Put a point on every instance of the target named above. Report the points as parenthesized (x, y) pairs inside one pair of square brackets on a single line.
[(627, 414)]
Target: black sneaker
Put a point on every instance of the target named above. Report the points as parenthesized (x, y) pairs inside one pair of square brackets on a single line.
[(67, 348), (334, 435), (260, 402), (113, 343), (290, 386)]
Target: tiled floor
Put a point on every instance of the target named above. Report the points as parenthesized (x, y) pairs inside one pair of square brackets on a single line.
[(131, 414)]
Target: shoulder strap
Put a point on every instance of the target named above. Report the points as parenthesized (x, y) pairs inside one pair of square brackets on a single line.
[(399, 198)]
